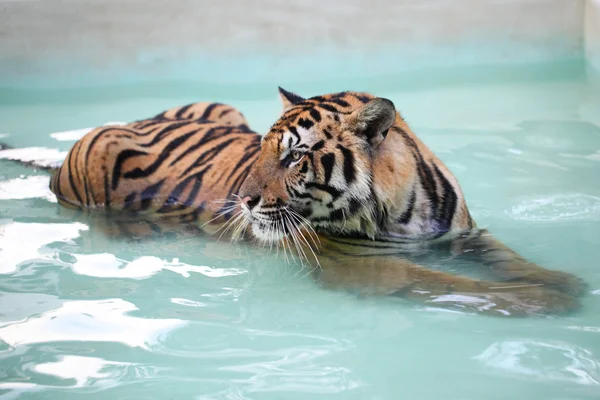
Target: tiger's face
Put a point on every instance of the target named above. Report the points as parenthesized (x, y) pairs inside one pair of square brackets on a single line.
[(315, 166)]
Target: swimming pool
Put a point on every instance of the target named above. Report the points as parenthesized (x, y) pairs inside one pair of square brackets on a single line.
[(195, 318)]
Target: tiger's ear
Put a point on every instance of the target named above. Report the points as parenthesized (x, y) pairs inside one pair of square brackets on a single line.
[(288, 98), (373, 120)]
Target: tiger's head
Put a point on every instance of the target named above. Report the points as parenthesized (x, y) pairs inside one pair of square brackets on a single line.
[(315, 166)]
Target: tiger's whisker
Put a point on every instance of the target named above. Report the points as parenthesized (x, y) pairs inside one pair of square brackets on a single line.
[(306, 224), (311, 231), (292, 231), (303, 238), (231, 222), (219, 215)]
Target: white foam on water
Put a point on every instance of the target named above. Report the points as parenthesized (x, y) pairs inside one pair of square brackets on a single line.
[(105, 265), (20, 241), (106, 320), (29, 187), (41, 156)]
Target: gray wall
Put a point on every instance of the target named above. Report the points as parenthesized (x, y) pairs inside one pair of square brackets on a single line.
[(67, 39)]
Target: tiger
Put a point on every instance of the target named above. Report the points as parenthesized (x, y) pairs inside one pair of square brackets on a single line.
[(339, 181), (347, 167)]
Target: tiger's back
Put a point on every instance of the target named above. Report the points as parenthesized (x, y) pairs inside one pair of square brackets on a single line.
[(181, 163)]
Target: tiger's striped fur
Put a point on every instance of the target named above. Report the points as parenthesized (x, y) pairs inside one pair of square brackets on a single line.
[(176, 165), (348, 166)]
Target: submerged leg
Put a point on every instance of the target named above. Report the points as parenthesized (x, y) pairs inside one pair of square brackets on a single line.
[(375, 275), (510, 266)]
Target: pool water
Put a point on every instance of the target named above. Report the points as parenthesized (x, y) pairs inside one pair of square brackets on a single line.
[(187, 318)]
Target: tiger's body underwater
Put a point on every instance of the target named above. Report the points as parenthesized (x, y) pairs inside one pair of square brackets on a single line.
[(339, 180)]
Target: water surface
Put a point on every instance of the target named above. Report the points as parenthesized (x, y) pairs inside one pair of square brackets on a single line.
[(81, 313)]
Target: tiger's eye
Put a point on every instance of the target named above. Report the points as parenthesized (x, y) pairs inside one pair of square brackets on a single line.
[(296, 155)]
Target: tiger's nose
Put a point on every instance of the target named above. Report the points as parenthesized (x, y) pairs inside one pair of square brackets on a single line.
[(250, 202)]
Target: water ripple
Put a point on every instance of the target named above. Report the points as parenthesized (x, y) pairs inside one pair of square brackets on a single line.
[(85, 371), (547, 361), (20, 242), (556, 208), (92, 321)]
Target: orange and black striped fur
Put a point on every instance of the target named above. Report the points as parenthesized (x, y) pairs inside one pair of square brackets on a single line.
[(340, 181), (347, 166), (185, 164)]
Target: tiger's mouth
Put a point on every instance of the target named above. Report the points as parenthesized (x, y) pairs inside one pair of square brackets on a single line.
[(274, 225), (281, 227)]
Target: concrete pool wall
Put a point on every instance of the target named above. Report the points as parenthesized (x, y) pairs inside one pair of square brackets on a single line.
[(57, 44)]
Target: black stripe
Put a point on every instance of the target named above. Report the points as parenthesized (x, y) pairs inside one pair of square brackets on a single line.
[(424, 172), (340, 102), (304, 167), (327, 134), (349, 170), (362, 98), (328, 107), (142, 173), (174, 201), (77, 172), (208, 136), (429, 185), (71, 170), (225, 112), (197, 185), (407, 214), (294, 132), (354, 206), (449, 199), (121, 158), (106, 191), (86, 190), (247, 156), (381, 214), (149, 194), (335, 193), (305, 123), (235, 185), (209, 110), (328, 162), (315, 114), (129, 199), (208, 155), (183, 110), (140, 125), (299, 195), (318, 146), (164, 133)]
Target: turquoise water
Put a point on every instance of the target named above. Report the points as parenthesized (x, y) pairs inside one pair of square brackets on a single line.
[(177, 319)]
